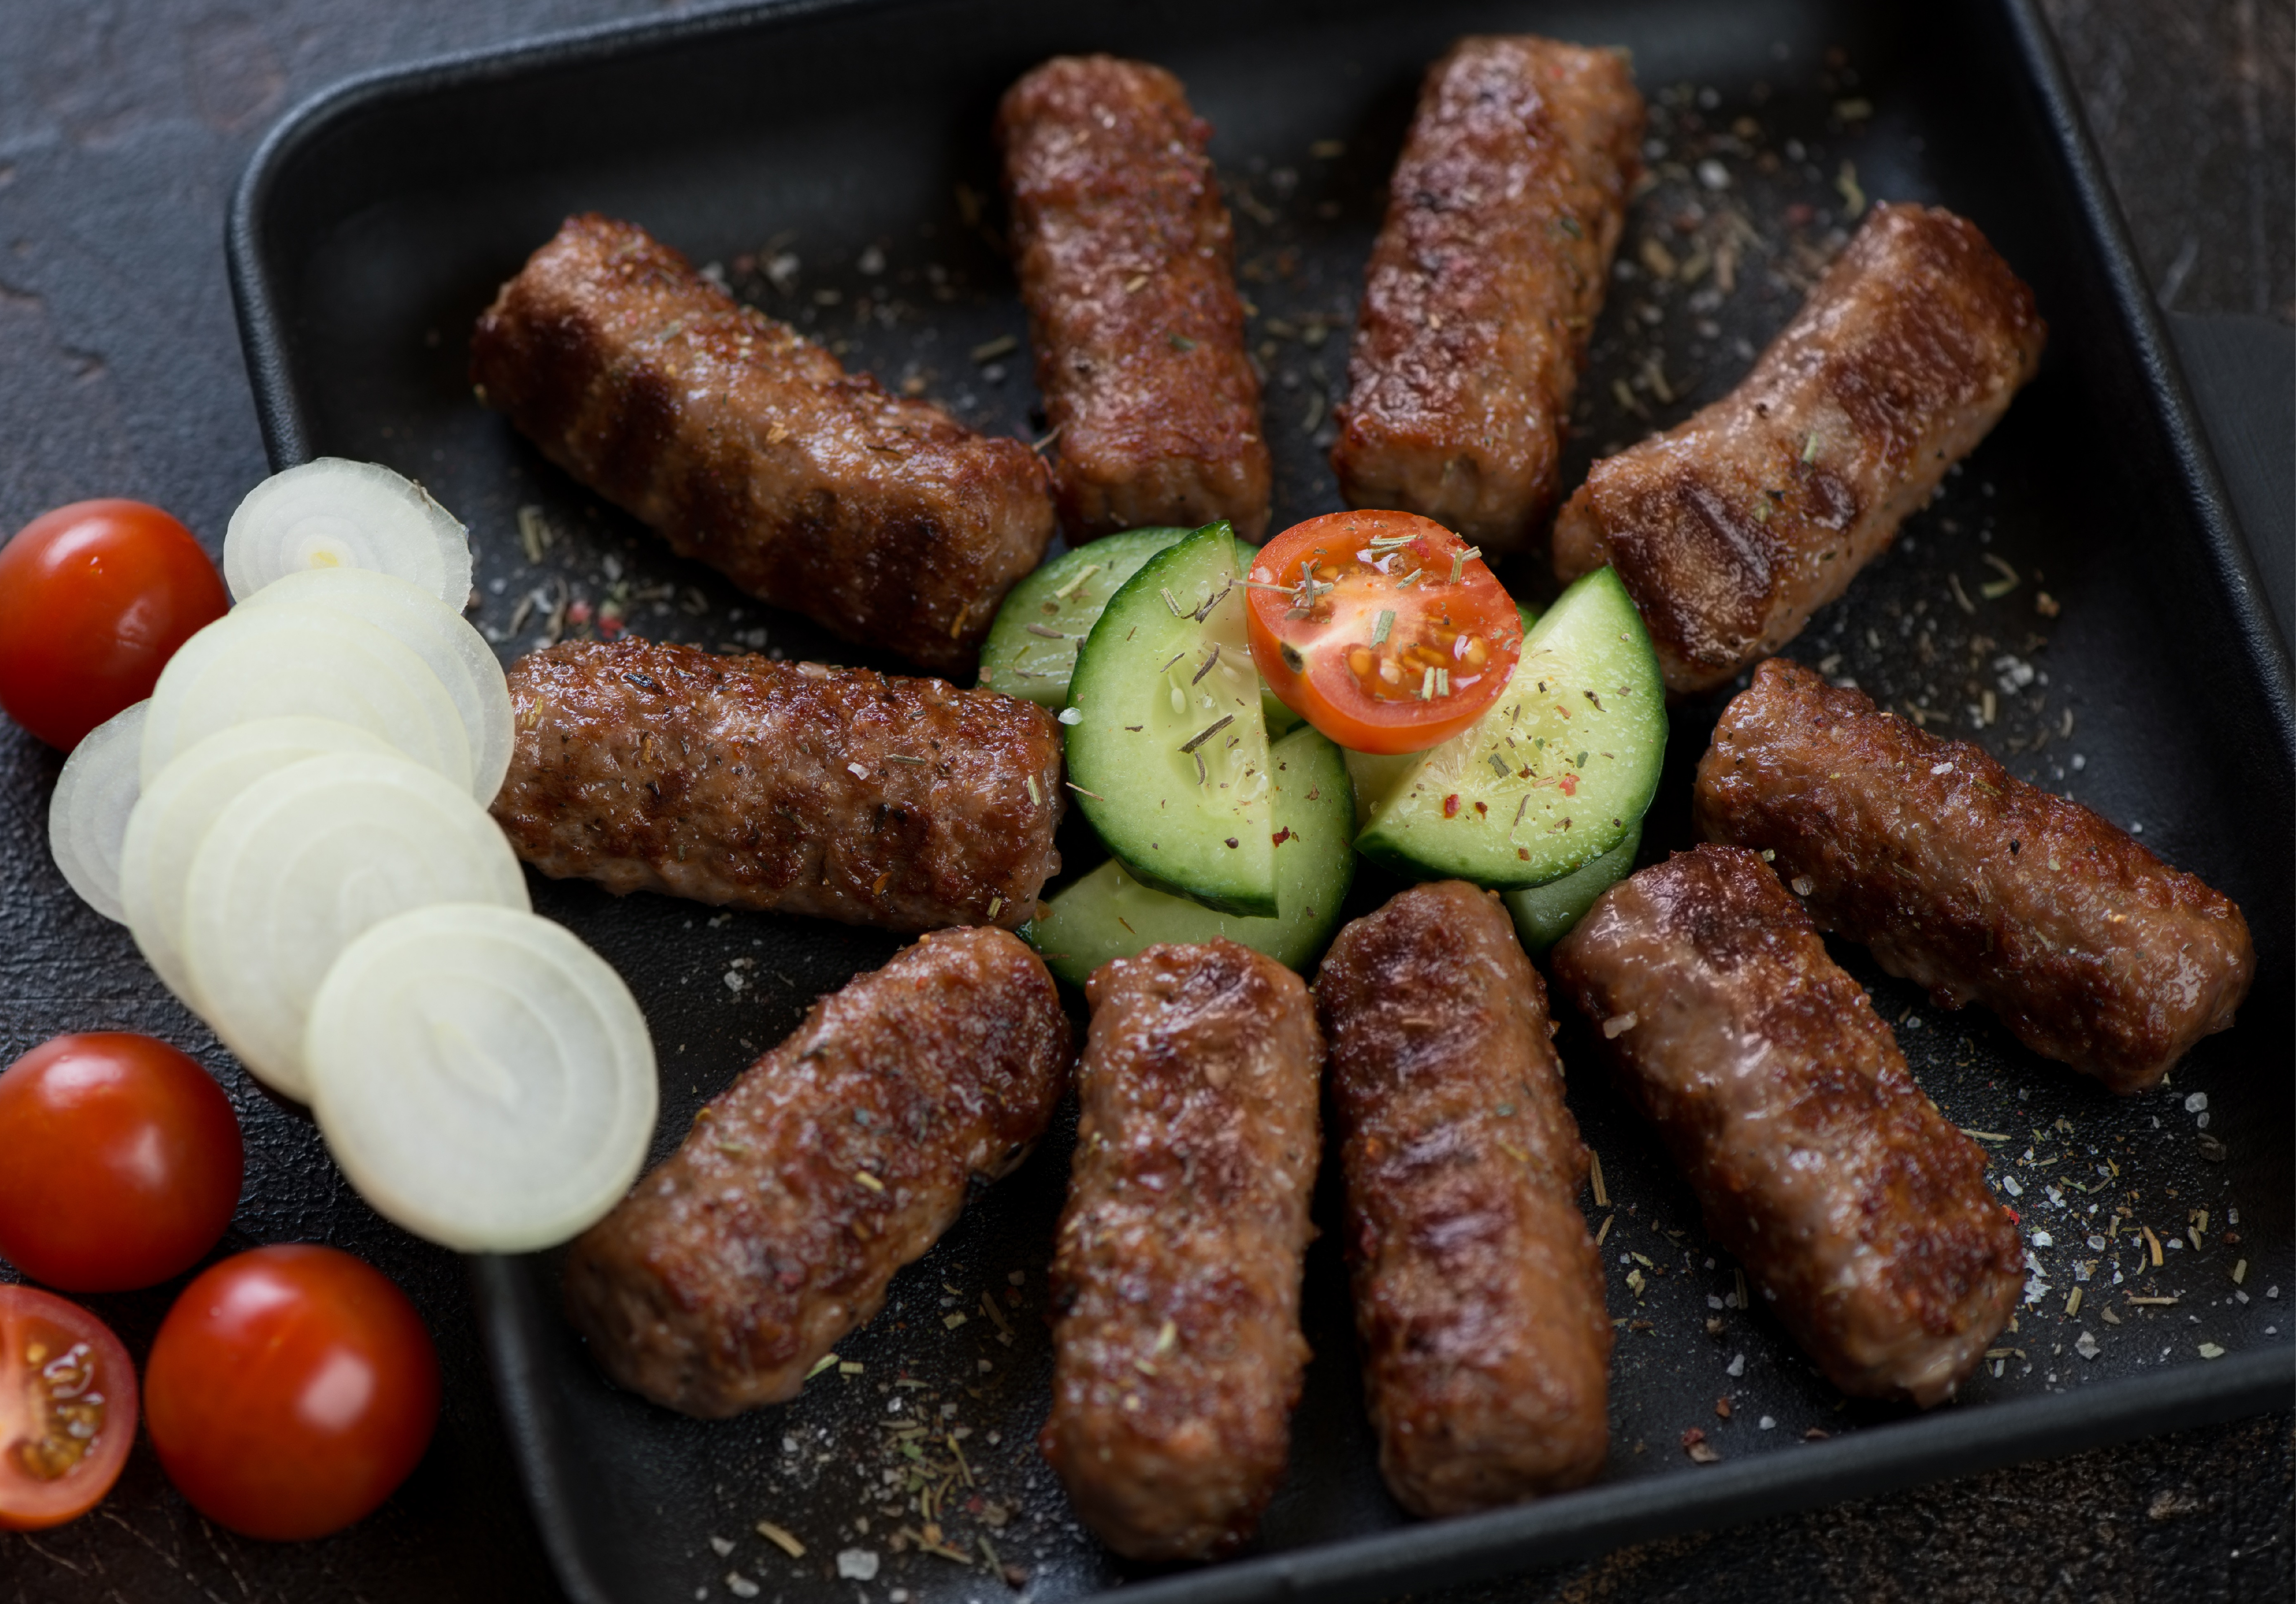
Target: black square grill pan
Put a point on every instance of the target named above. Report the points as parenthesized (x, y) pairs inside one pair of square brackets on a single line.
[(2078, 600)]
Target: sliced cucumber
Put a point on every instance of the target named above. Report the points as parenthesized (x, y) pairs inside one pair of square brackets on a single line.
[(1376, 775), (1166, 746), (1109, 914), (1544, 915), (1555, 774), (1032, 646)]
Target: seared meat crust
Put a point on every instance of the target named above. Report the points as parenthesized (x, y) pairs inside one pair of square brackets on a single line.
[(1963, 878), (1858, 1208), (1729, 530), (1176, 1282), (836, 1158), (1478, 1292), (844, 793), (1125, 254), (748, 447), (1503, 216)]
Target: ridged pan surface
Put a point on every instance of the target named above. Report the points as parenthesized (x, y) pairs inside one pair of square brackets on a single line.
[(2067, 601)]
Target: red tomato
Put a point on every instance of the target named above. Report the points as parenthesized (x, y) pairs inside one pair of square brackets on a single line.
[(123, 1166), (1384, 630), (290, 1391), (67, 1409), (94, 598)]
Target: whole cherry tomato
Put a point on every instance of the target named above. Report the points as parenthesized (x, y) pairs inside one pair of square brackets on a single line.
[(289, 1390), (67, 1409), (94, 598), (123, 1162), (1384, 630)]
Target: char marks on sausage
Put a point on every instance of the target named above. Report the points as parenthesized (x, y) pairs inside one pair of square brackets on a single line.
[(1964, 879), (1503, 214), (1176, 1279), (843, 793), (836, 1158), (1477, 1291), (1125, 253), (749, 448), (1729, 530), (1855, 1206)]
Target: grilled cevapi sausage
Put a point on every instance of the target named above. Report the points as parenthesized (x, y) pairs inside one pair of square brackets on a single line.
[(1176, 1283), (1478, 1292), (1125, 254), (1963, 878), (1859, 1209), (1502, 217), (1729, 530), (844, 793), (837, 1158), (749, 448)]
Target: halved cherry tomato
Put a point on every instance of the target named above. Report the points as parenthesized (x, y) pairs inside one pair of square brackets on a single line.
[(290, 1391), (94, 598), (67, 1409), (123, 1162), (1384, 630)]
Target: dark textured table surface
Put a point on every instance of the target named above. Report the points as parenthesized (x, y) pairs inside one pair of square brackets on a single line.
[(122, 129)]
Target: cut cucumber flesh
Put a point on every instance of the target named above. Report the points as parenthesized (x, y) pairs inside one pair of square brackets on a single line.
[(1376, 775), (1544, 915), (1032, 647), (1167, 748), (1555, 774), (1109, 914)]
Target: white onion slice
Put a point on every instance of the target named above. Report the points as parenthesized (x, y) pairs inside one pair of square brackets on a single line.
[(333, 513), (319, 853), (457, 653), (265, 662), (176, 810), (87, 816), (482, 1077)]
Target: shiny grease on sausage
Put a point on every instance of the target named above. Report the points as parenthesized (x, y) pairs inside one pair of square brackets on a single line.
[(1176, 1279), (844, 793), (1125, 253), (838, 1156), (1477, 1291), (1730, 529), (1967, 880), (1503, 214), (1857, 1208), (748, 446)]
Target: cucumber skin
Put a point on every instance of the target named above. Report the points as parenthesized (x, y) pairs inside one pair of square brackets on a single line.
[(1111, 791), (1081, 932), (1009, 637), (1417, 860), (1544, 915)]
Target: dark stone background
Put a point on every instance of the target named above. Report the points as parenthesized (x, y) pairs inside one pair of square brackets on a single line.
[(123, 125)]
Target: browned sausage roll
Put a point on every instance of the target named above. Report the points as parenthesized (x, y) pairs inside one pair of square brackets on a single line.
[(836, 1158), (1729, 530), (1176, 1282), (844, 793), (1479, 1294), (1963, 878), (1126, 254), (748, 447), (1858, 1208), (1502, 217)]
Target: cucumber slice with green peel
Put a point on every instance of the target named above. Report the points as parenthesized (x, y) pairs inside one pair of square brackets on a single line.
[(1554, 774), (1167, 750), (1109, 914), (1376, 775), (1544, 915), (1032, 646)]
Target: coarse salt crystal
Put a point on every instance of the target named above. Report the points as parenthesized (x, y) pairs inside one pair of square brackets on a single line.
[(858, 1565), (740, 1585), (722, 1546), (857, 771), (1713, 1300), (2042, 1238), (1767, 1423), (2196, 1102), (2210, 1350), (1941, 768), (2085, 1345), (1736, 1367), (1713, 175), (2009, 1184)]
